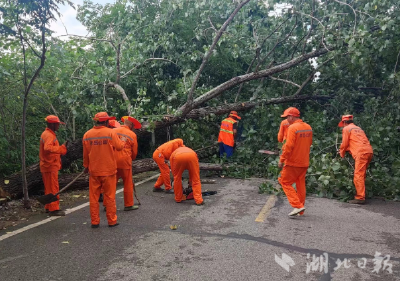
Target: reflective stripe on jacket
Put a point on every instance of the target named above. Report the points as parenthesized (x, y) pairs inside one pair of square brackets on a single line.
[(296, 151), (355, 141), (226, 131), (98, 151), (50, 151)]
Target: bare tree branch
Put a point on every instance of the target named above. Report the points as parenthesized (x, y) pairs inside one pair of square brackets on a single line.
[(212, 25), (323, 26), (355, 15), (310, 77), (277, 43), (286, 81), (311, 26), (253, 76), (258, 51), (118, 57), (123, 94), (188, 105), (397, 61)]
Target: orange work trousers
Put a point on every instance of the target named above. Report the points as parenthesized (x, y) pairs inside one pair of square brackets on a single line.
[(182, 162), (126, 175), (50, 181), (164, 169), (360, 172), (289, 176), (107, 184)]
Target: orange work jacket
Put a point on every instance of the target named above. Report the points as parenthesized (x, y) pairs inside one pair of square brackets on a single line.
[(183, 150), (226, 132), (355, 141), (167, 148), (128, 154), (50, 151), (283, 130), (98, 151), (296, 151)]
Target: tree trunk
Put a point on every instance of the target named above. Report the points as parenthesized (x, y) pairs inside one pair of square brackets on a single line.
[(34, 177)]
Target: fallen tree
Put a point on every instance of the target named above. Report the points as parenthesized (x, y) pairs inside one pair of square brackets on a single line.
[(139, 166), (35, 183), (75, 149)]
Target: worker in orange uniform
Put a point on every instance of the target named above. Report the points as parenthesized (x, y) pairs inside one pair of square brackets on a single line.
[(50, 162), (160, 155), (113, 124), (227, 133), (125, 158), (356, 142), (295, 160), (99, 161), (184, 158), (283, 130)]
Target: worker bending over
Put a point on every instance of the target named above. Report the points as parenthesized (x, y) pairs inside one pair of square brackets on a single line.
[(356, 142), (50, 152), (99, 161), (295, 160), (160, 155), (125, 158), (227, 133), (184, 158)]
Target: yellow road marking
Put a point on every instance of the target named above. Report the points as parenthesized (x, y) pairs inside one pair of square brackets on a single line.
[(266, 210)]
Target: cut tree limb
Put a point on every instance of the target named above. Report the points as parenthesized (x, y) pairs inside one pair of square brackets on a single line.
[(34, 176), (253, 76)]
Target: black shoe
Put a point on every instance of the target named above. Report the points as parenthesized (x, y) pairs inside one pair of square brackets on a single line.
[(202, 203), (158, 189), (57, 213), (113, 225), (47, 211), (169, 191), (95, 225), (101, 197)]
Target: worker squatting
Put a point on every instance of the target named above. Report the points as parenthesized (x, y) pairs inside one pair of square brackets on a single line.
[(109, 149)]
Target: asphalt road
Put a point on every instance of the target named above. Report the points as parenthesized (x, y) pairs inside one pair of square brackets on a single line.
[(218, 241)]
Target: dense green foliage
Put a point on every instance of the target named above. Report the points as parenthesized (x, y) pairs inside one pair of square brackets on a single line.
[(360, 73)]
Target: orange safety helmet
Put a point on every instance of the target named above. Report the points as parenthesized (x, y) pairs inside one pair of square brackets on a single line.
[(53, 119), (103, 116), (292, 111), (114, 124), (136, 123), (345, 118), (234, 114)]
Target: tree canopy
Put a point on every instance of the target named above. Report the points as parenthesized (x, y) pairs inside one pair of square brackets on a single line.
[(182, 64)]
